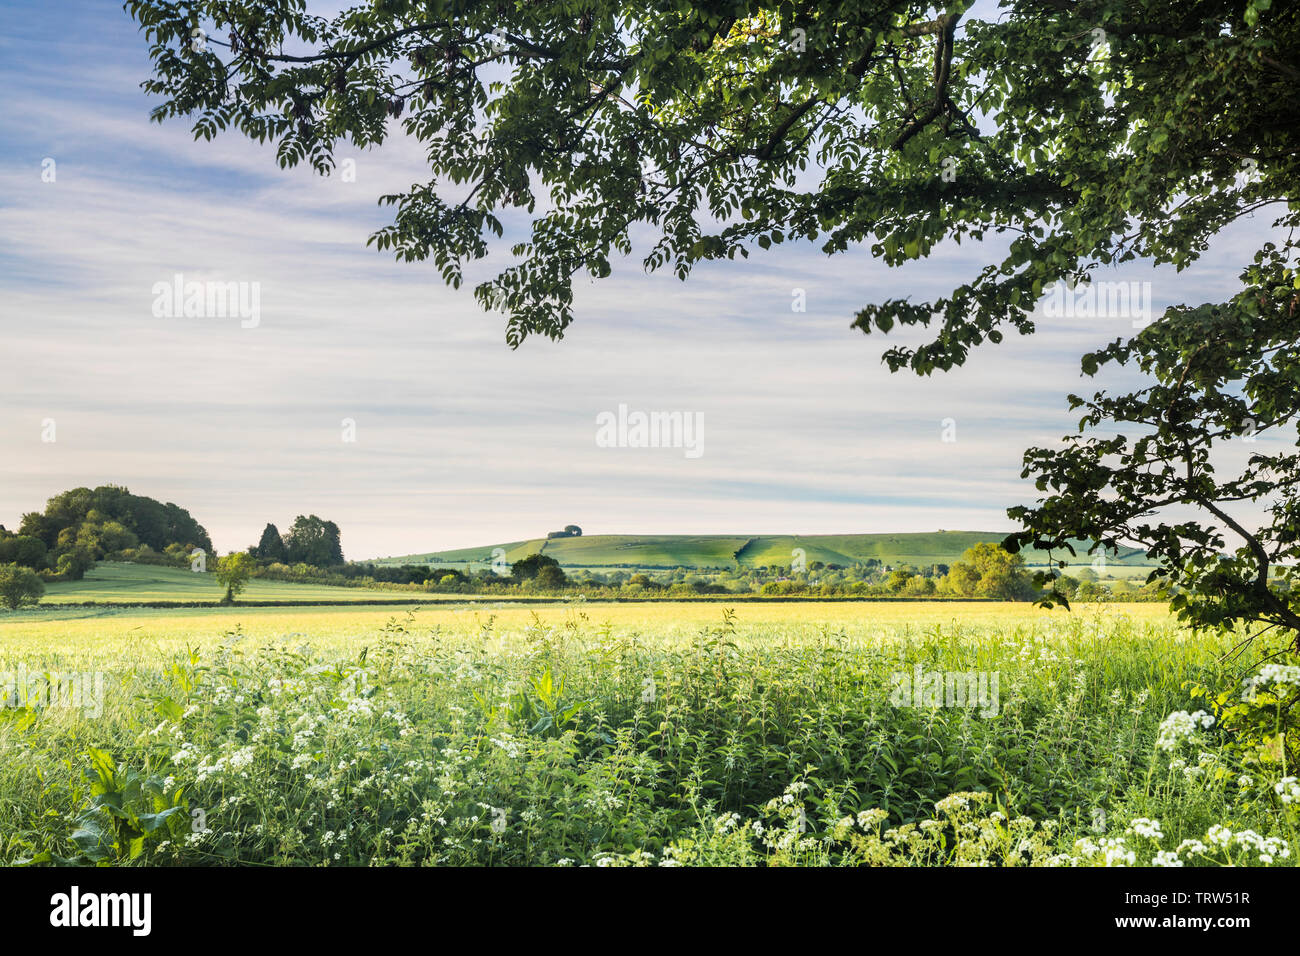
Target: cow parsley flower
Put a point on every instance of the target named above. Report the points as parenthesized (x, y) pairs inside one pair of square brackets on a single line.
[(1147, 828), (870, 818), (1180, 726)]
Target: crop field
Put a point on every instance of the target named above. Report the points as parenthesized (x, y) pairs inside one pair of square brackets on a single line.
[(594, 734)]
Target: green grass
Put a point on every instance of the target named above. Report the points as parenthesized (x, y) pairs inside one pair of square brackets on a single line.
[(616, 735), (110, 582), (711, 551)]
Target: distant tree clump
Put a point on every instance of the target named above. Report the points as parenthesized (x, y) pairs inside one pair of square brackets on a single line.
[(986, 570), (233, 571), (532, 567), (919, 585), (551, 576), (898, 579), (84, 525), (314, 541), (19, 586), (271, 546), (24, 549)]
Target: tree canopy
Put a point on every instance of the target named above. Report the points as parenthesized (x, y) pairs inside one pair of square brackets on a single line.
[(270, 547), (312, 540), (233, 572), (83, 525), (1067, 135), (19, 586), (1222, 374), (986, 570), (541, 568)]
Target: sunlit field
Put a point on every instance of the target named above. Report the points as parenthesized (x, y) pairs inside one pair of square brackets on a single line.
[(665, 734), (119, 581), (79, 630)]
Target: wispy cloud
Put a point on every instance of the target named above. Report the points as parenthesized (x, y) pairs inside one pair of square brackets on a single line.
[(459, 440)]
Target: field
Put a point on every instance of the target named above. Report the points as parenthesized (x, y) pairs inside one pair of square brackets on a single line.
[(720, 551), (120, 582), (626, 735)]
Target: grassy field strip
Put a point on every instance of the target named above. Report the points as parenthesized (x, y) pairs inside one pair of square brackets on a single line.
[(25, 631), (117, 581)]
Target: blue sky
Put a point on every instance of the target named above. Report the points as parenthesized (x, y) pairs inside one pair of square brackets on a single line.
[(459, 440)]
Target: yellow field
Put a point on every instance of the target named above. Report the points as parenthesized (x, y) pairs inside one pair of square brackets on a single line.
[(82, 633)]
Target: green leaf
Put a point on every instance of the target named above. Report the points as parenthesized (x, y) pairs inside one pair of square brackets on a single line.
[(92, 840)]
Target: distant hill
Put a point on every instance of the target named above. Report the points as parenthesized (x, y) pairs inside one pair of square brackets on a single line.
[(720, 551)]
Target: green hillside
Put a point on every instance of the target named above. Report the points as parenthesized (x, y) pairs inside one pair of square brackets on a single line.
[(712, 551)]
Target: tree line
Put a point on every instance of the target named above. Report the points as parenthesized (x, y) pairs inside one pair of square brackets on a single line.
[(310, 540)]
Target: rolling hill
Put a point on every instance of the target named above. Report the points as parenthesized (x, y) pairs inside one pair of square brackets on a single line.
[(722, 551)]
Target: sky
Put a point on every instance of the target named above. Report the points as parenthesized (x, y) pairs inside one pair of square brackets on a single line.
[(457, 440)]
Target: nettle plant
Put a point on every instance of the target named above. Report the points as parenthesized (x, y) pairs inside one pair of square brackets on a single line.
[(1079, 134)]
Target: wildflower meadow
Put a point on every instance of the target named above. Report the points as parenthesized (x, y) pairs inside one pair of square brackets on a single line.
[(578, 737)]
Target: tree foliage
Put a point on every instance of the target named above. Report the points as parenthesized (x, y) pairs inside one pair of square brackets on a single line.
[(986, 570), (233, 572), (84, 525), (543, 569), (25, 549), (314, 541), (1222, 375), (19, 586), (270, 547)]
